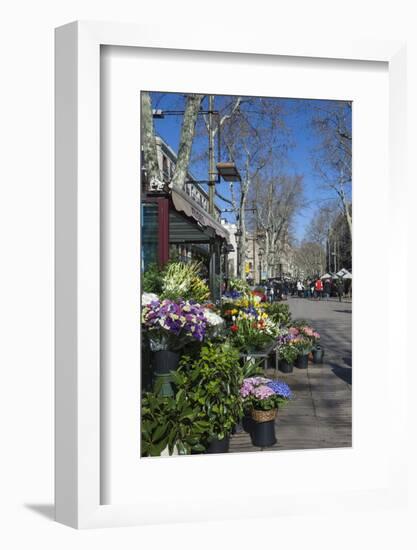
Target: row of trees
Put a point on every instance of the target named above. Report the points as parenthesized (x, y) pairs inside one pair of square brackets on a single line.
[(251, 133), (327, 245)]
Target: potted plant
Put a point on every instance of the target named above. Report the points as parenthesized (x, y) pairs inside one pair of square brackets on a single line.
[(279, 313), (303, 347), (211, 382), (317, 351), (170, 426), (263, 396), (169, 326), (287, 357), (252, 329)]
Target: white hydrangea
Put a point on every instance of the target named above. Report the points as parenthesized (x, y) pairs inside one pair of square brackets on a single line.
[(148, 297)]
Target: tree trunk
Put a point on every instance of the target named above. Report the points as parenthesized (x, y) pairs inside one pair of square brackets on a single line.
[(150, 153), (186, 140), (242, 242)]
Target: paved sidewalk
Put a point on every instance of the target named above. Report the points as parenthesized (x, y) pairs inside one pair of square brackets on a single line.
[(320, 416)]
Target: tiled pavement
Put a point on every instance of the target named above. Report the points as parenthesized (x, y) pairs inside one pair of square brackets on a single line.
[(320, 416)]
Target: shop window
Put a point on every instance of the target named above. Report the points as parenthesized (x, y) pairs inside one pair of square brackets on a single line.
[(149, 232)]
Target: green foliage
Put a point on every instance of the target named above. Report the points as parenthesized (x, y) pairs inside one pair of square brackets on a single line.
[(289, 353), (152, 279), (252, 367), (279, 313), (183, 281), (268, 404), (239, 285), (171, 422), (211, 383), (248, 338), (176, 280)]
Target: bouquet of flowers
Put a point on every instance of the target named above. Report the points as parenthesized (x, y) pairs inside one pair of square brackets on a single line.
[(310, 333), (263, 394), (252, 329), (293, 343), (172, 324), (302, 344)]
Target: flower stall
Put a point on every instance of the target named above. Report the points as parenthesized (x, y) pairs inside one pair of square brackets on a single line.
[(202, 359)]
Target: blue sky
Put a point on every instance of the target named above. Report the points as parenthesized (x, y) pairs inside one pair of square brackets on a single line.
[(299, 135)]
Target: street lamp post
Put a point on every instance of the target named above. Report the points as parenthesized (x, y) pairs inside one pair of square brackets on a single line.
[(261, 251)]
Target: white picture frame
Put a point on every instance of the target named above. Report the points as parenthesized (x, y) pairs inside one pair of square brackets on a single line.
[(78, 426)]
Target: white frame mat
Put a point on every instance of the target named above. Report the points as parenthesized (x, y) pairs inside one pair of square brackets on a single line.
[(77, 238)]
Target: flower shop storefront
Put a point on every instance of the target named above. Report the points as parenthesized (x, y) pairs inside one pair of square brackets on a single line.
[(176, 225)]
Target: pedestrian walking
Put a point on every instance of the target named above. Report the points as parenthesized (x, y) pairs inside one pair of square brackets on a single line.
[(339, 289), (319, 288), (300, 288), (327, 289)]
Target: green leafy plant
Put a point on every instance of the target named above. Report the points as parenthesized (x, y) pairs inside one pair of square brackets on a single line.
[(288, 353), (170, 422), (152, 279), (212, 382), (279, 313), (251, 367), (238, 285)]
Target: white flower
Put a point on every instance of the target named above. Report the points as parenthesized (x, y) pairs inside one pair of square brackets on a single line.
[(212, 318), (148, 297)]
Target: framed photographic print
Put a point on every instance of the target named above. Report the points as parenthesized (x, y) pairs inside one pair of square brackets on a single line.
[(221, 217)]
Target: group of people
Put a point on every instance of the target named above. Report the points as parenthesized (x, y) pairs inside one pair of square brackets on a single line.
[(318, 289), (279, 289)]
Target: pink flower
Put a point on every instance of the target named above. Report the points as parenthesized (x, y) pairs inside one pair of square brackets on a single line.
[(263, 392)]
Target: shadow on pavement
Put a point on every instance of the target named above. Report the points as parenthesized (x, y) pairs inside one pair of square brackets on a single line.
[(344, 373)]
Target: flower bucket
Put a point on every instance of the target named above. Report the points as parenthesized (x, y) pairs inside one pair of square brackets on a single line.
[(263, 416), (302, 362), (218, 446), (285, 367), (263, 431), (318, 355), (165, 361)]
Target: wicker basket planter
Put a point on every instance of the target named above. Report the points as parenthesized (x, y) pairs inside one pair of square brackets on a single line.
[(264, 416)]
